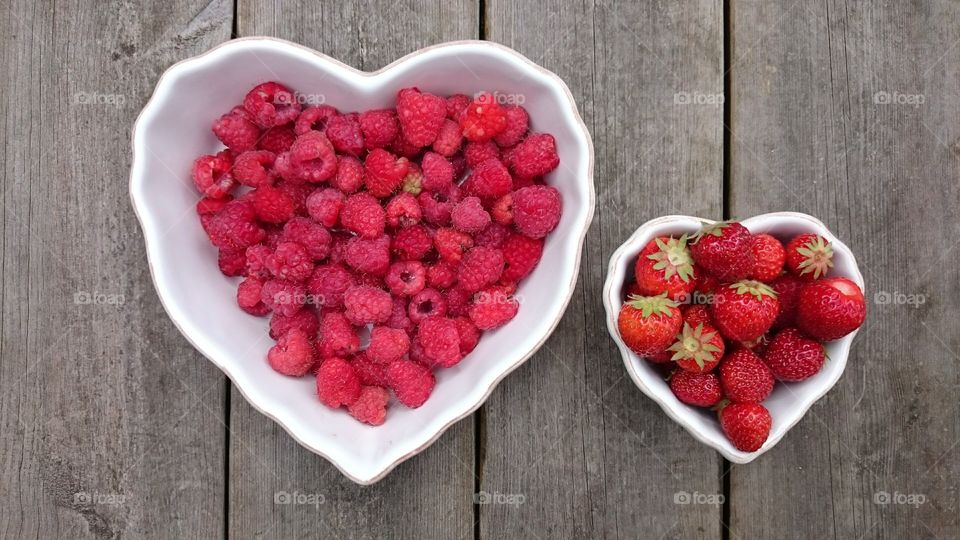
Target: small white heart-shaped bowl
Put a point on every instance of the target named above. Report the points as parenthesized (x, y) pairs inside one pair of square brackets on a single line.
[(174, 129), (789, 401)]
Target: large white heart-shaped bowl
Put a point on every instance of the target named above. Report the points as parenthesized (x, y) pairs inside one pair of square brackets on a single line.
[(789, 401), (174, 128)]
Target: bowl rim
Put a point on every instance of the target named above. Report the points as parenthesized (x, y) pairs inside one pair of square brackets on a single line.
[(612, 302), (580, 130)]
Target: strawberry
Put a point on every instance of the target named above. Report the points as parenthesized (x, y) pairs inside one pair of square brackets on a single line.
[(791, 356), (745, 310), (696, 314), (648, 324), (665, 265), (662, 357), (697, 389), (631, 290), (787, 288), (723, 249), (828, 309), (697, 348), (769, 256), (747, 425), (745, 378), (809, 256)]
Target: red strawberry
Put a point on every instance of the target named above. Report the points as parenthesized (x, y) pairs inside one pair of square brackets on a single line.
[(745, 310), (791, 356), (696, 314), (787, 288), (809, 256), (828, 309), (698, 348), (769, 256), (747, 425), (697, 389), (723, 249), (662, 357), (648, 324), (665, 265), (745, 378)]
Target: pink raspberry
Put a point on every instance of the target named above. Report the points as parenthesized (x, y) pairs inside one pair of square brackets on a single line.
[(365, 305), (403, 148), (517, 122), (371, 407), (311, 158), (256, 261), (452, 244), (363, 215), (344, 134), (370, 372), (283, 297), (273, 205), (235, 226), (208, 206), (458, 302), (483, 119), (380, 127), (413, 181), (387, 344), (232, 262), (406, 278), (336, 336), (490, 180), (449, 139), (421, 116), (521, 255), (410, 382), (477, 152), (440, 341), (456, 104), (437, 173), (436, 206), (314, 119), (403, 210), (304, 320), (412, 243), (469, 335), (337, 383), (534, 156), (492, 308), (369, 256), (398, 317), (469, 216), (237, 132), (298, 193), (323, 205), (441, 275), (271, 104), (502, 210), (426, 303), (253, 168), (492, 236), (481, 266), (277, 139), (349, 177), (536, 210), (212, 175), (248, 297), (293, 355), (328, 283), (309, 234), (384, 172), (291, 262)]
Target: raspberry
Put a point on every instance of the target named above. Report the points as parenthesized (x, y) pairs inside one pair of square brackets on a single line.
[(421, 115), (517, 123), (469, 335), (232, 262), (427, 303), (298, 194), (309, 234), (273, 205), (369, 256), (410, 382), (234, 227), (336, 336), (456, 104), (483, 119), (212, 175), (436, 206), (237, 132), (328, 283), (367, 305), (406, 278), (323, 205), (271, 104), (208, 206), (248, 297), (492, 236), (371, 406), (534, 156), (481, 266), (370, 372), (442, 275), (458, 302), (502, 211), (277, 139), (314, 119), (384, 172), (363, 215), (490, 180), (293, 355), (449, 139), (304, 320), (398, 317), (437, 173), (337, 383), (492, 308), (469, 216), (380, 127), (349, 177), (440, 341), (536, 210), (344, 134), (403, 148), (451, 244), (413, 181), (256, 261), (412, 243), (311, 158), (521, 255), (476, 153), (403, 210), (283, 297), (387, 344), (253, 168)]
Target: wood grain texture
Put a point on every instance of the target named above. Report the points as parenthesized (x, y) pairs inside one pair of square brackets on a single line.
[(847, 111), (110, 423), (591, 455), (430, 496)]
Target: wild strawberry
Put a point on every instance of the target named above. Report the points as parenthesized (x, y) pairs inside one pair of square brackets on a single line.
[(791, 356), (828, 309), (809, 256), (747, 425), (787, 288), (745, 378), (648, 324), (745, 310), (698, 348), (697, 389), (724, 250), (665, 265), (769, 255)]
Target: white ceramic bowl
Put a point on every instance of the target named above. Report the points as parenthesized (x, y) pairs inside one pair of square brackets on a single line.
[(789, 401), (174, 128)]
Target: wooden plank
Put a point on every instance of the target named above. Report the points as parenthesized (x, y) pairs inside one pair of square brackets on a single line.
[(110, 422), (847, 111), (589, 453), (429, 496)]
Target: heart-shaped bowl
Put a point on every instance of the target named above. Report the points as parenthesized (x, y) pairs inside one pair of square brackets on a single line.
[(174, 128), (789, 401)]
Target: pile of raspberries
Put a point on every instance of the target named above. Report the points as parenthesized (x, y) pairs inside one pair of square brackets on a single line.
[(413, 224)]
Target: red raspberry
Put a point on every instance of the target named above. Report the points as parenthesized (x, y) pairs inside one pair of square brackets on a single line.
[(338, 250), (298, 194), (490, 180), (323, 205), (304, 320), (235, 226), (248, 297), (469, 216), (436, 206), (521, 255), (437, 173), (492, 308), (380, 127), (273, 205), (344, 134), (439, 341), (410, 382), (412, 243), (384, 172), (406, 278), (232, 262), (469, 335), (413, 181), (398, 317), (309, 234), (277, 139), (336, 336), (349, 177), (451, 244), (534, 156), (536, 210), (371, 406), (311, 158), (387, 344), (367, 305), (456, 104), (271, 104), (426, 303), (207, 207), (403, 210), (421, 116), (293, 355), (370, 372), (283, 297), (237, 132), (483, 119), (363, 215), (403, 148), (256, 261), (328, 283), (458, 302), (337, 383), (481, 266), (212, 175), (517, 122), (502, 211), (493, 235), (369, 256), (314, 119), (475, 153), (442, 275), (449, 139), (253, 168)]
